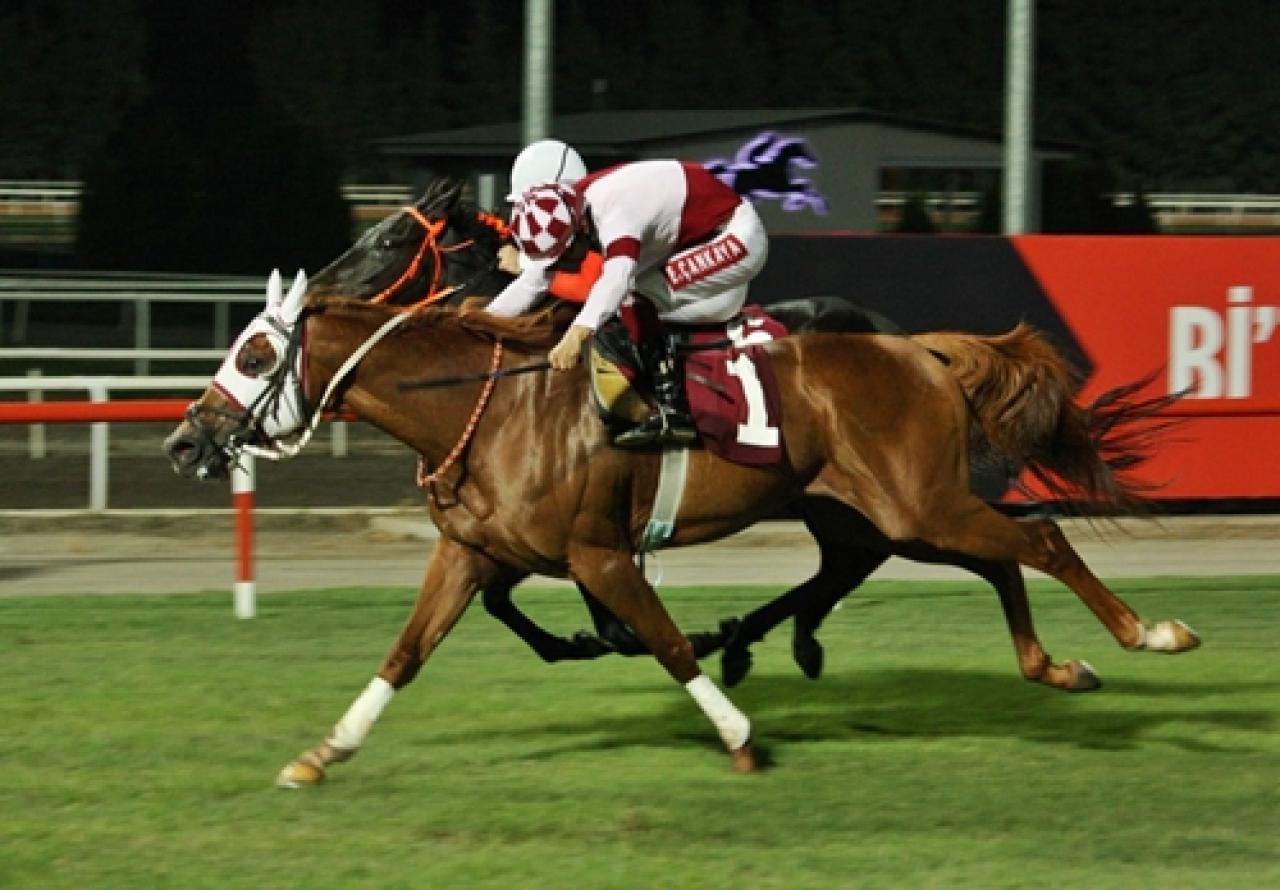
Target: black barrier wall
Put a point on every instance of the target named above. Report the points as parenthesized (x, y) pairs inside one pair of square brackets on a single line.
[(924, 283)]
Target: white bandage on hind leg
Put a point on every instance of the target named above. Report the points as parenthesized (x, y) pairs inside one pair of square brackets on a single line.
[(349, 734), (733, 725)]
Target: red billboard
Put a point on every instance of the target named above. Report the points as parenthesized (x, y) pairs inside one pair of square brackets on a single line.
[(1205, 311), (1202, 311)]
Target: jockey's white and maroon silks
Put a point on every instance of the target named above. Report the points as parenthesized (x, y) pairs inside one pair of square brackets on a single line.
[(671, 232)]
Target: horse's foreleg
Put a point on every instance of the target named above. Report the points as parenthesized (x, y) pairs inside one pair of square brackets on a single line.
[(453, 577), (622, 588)]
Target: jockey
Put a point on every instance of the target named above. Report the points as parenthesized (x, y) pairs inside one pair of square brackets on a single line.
[(547, 160), (670, 232)]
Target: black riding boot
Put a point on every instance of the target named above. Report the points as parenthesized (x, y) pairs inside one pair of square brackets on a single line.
[(670, 424)]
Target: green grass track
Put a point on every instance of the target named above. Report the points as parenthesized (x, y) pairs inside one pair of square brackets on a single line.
[(140, 736)]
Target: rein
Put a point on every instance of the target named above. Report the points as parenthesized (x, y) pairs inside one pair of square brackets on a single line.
[(433, 229), (493, 374), (432, 382), (428, 480)]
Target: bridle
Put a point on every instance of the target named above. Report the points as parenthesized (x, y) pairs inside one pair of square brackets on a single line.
[(248, 432), (433, 229), (247, 424)]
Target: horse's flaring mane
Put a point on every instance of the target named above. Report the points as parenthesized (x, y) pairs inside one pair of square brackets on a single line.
[(443, 198), (481, 225)]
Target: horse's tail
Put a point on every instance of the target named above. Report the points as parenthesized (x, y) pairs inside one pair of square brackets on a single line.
[(1019, 389)]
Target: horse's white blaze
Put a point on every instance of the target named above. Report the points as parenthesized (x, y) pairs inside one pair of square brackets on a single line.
[(732, 724), (350, 732)]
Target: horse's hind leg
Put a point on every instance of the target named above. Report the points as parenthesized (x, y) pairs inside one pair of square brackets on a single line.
[(622, 588), (846, 563), (611, 633), (837, 581), (809, 604), (980, 531), (549, 647), (843, 565), (1033, 660)]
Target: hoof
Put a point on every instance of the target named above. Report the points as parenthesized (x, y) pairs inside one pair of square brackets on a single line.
[(582, 646), (743, 760), (1083, 678), (710, 642), (735, 664), (1169, 637), (299, 774), (808, 655)]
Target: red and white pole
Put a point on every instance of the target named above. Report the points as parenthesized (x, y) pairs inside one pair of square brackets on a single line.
[(242, 491)]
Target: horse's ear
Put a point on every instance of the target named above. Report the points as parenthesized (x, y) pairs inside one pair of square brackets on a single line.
[(275, 289), (291, 308), (441, 197)]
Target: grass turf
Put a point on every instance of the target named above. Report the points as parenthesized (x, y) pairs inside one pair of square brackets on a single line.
[(139, 737)]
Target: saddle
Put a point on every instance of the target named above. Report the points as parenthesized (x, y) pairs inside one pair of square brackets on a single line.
[(729, 382)]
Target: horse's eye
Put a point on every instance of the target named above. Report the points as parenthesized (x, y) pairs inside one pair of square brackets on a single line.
[(253, 364)]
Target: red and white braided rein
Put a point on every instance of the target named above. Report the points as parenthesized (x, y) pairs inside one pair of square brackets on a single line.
[(425, 479)]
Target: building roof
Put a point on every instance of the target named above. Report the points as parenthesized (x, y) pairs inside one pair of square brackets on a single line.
[(607, 133)]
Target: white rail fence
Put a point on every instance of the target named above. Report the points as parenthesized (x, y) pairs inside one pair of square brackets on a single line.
[(140, 292), (99, 389)]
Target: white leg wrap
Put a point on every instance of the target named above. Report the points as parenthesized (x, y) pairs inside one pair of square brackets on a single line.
[(733, 725), (349, 734)]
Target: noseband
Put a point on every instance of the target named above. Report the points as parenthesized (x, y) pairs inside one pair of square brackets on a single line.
[(432, 230)]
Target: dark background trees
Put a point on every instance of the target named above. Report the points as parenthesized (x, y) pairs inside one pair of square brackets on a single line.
[(1182, 95), (204, 173)]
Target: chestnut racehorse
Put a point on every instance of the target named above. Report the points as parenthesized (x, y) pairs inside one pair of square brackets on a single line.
[(527, 481), (442, 249)]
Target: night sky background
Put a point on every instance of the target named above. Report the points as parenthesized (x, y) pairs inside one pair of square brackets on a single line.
[(192, 113)]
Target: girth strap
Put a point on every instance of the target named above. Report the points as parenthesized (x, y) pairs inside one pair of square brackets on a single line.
[(666, 503)]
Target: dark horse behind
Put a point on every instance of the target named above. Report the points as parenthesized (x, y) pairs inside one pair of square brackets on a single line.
[(875, 423)]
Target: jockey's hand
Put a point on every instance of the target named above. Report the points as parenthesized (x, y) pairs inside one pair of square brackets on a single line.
[(509, 259), (567, 352)]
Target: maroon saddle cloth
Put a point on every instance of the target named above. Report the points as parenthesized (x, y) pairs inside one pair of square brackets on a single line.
[(729, 381)]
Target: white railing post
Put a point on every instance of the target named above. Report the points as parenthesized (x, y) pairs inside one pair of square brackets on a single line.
[(36, 445), (141, 334), (221, 325), (338, 438), (244, 593), (21, 315), (98, 444)]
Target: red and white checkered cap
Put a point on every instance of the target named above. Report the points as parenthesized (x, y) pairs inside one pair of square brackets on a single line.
[(545, 219)]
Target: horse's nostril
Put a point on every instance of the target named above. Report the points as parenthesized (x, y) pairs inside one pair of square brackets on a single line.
[(182, 450)]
